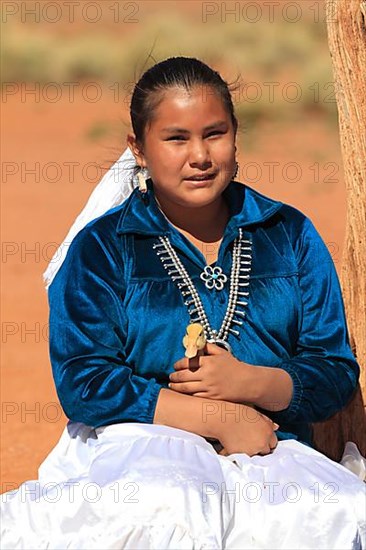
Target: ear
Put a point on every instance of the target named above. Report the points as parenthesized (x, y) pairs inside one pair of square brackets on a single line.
[(136, 150)]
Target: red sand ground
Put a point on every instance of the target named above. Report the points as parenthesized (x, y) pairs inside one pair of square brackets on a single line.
[(36, 215)]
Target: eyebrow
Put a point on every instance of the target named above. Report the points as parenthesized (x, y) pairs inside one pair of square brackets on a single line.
[(184, 131)]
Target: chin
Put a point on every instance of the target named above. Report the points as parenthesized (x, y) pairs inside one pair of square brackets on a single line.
[(200, 199)]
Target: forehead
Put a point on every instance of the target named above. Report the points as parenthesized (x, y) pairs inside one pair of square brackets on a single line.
[(199, 105)]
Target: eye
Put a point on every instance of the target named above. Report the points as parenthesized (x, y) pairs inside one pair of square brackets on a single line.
[(176, 138), (215, 132)]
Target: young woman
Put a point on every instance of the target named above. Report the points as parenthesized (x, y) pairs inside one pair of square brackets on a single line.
[(163, 451)]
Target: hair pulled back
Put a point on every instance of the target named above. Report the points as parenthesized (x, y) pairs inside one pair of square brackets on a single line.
[(184, 72)]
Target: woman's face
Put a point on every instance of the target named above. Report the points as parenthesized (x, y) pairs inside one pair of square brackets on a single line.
[(191, 135)]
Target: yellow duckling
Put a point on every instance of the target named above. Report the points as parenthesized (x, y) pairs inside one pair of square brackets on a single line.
[(195, 340)]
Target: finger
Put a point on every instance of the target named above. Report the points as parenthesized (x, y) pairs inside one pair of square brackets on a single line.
[(213, 349), (273, 424), (201, 394), (273, 442), (186, 363), (181, 364), (265, 451), (186, 387), (185, 375)]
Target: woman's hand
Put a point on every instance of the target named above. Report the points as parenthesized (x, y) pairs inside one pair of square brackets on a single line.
[(247, 431), (218, 375)]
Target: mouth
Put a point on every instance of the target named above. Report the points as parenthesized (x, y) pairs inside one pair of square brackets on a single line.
[(204, 177)]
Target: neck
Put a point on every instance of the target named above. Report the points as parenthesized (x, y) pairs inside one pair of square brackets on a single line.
[(205, 223)]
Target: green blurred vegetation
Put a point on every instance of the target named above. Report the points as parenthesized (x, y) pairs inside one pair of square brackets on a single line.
[(265, 55)]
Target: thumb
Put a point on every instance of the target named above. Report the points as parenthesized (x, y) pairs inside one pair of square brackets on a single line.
[(274, 425)]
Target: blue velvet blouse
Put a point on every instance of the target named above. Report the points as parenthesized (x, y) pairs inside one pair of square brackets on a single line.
[(117, 319)]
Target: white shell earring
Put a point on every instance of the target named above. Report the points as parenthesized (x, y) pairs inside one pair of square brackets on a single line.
[(142, 176)]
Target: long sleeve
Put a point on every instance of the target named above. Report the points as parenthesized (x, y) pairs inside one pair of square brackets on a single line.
[(323, 369), (87, 337)]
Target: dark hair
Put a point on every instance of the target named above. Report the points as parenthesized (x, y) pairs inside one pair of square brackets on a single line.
[(185, 72)]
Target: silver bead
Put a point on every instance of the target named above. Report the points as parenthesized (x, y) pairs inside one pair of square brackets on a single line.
[(241, 313)]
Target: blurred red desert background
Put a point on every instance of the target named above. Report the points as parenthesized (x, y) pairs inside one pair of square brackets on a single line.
[(66, 83)]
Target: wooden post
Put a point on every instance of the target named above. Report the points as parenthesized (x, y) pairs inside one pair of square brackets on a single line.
[(346, 23)]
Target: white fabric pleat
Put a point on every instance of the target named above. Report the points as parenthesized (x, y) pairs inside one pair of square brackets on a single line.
[(143, 486)]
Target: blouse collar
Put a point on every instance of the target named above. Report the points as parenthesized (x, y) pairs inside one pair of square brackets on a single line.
[(142, 215)]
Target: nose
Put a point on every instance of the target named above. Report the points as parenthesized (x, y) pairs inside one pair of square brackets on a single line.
[(199, 156)]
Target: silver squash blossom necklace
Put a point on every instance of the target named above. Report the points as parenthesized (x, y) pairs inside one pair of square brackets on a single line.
[(239, 281)]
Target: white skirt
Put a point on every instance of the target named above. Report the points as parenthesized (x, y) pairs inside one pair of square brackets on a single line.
[(146, 486)]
